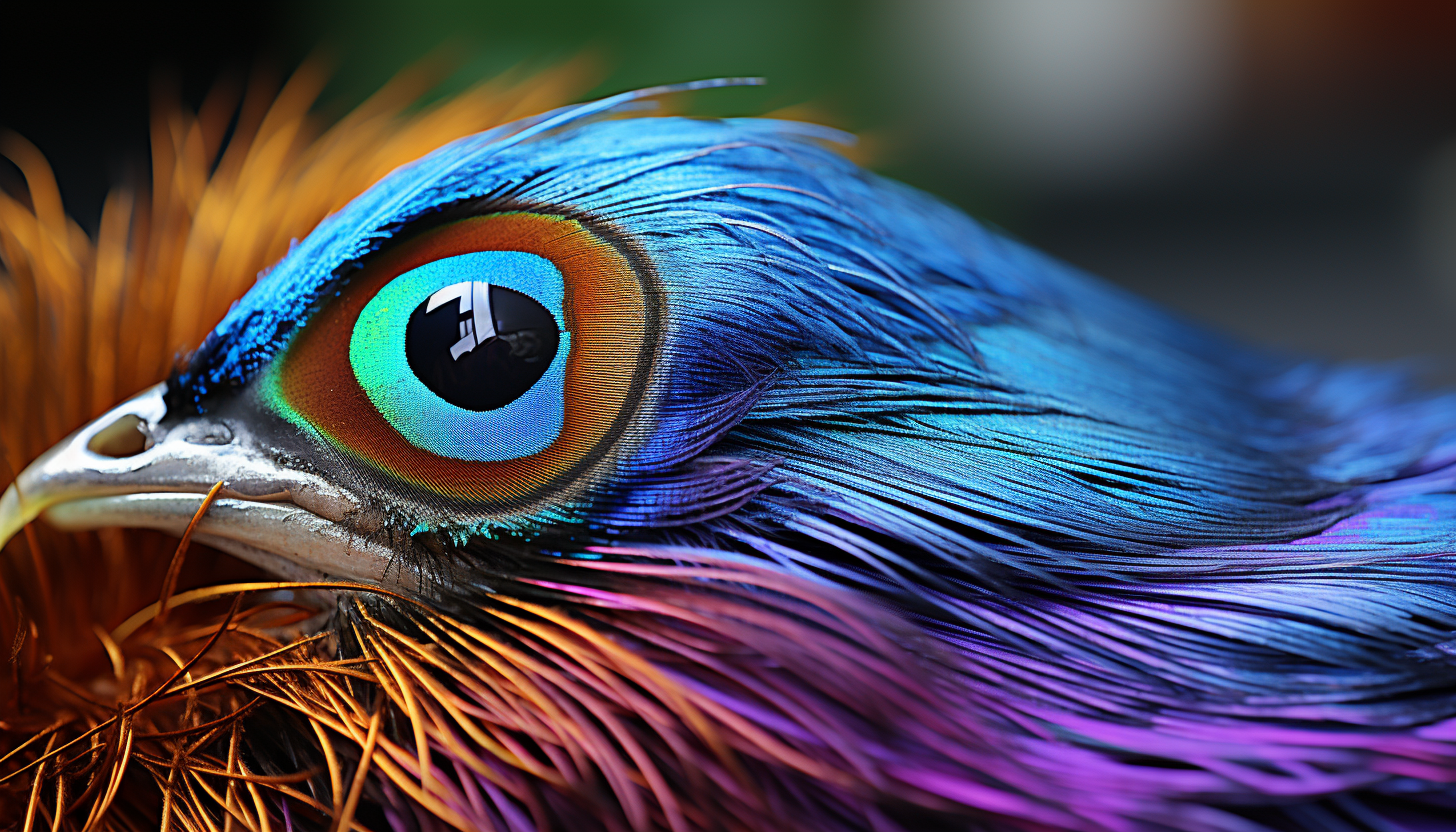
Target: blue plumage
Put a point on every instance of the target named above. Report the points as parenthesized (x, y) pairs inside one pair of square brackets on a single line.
[(812, 303)]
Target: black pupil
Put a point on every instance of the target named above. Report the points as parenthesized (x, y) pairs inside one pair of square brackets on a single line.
[(494, 371)]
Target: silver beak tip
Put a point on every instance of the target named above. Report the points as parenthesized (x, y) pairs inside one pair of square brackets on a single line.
[(13, 515)]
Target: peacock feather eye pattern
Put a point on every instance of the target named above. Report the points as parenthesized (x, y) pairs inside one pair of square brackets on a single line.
[(486, 359)]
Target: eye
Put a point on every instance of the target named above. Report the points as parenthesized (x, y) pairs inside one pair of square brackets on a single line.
[(491, 359), (453, 355)]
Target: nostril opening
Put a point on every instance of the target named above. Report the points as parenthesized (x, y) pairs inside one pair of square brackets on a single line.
[(127, 436)]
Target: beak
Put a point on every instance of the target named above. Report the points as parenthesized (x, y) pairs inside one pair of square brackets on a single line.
[(125, 469)]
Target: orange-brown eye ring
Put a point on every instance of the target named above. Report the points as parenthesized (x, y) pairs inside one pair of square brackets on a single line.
[(327, 381)]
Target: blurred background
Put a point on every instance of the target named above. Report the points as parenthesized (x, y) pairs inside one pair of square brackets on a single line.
[(1284, 170)]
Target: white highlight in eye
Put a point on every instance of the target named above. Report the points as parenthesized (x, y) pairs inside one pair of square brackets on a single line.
[(474, 299)]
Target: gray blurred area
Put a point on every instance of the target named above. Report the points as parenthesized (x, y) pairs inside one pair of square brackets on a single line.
[(1284, 170)]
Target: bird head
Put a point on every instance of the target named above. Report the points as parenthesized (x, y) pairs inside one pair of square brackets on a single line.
[(671, 470), (522, 394)]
